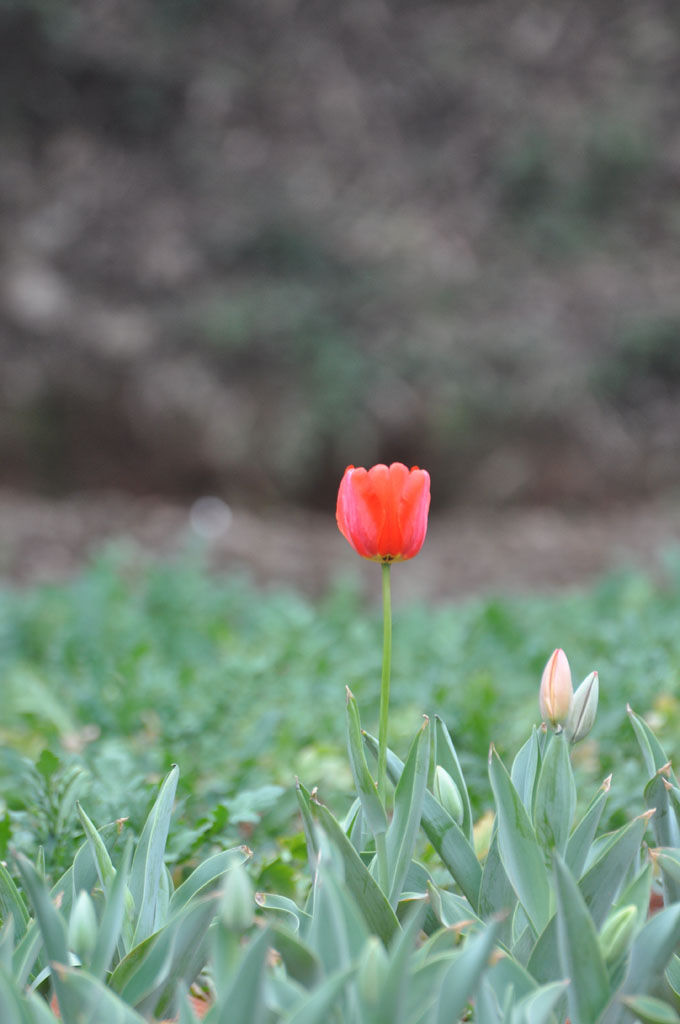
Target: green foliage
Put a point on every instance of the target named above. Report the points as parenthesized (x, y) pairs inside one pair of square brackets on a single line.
[(403, 916), (110, 678)]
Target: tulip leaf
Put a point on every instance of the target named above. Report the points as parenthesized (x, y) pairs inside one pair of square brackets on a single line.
[(665, 826), (669, 862), (244, 1000), (12, 904), (461, 979), (496, 895), (581, 838), (652, 751), (147, 976), (650, 1010), (94, 1000), (100, 853), (52, 930), (300, 959), (375, 907), (408, 802), (445, 835), (538, 1006), (207, 875), (555, 796), (599, 887), (305, 805), (148, 862), (12, 1008), (525, 770), (371, 804), (316, 1007), (652, 948), (81, 875), (112, 918), (579, 950), (395, 990), (518, 846), (446, 756)]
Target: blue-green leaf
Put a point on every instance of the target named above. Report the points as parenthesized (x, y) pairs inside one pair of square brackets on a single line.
[(519, 849)]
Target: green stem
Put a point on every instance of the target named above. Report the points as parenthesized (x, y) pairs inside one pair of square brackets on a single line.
[(385, 684)]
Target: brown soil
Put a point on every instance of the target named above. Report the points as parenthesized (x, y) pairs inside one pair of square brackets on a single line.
[(466, 553)]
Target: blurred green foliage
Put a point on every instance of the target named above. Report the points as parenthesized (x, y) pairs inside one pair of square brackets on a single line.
[(113, 676)]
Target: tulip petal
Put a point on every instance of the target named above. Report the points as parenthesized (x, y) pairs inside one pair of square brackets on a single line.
[(413, 509)]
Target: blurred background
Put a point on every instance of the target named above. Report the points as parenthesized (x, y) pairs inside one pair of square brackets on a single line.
[(245, 243)]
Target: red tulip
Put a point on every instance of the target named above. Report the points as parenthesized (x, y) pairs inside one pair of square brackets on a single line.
[(382, 511)]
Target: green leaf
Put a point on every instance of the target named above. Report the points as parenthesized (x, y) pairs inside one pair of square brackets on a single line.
[(538, 1006), (147, 977), (461, 979), (305, 805), (583, 835), (555, 796), (94, 1001), (112, 918), (650, 1010), (148, 862), (603, 879), (316, 1007), (52, 929), (525, 770), (375, 907), (652, 751), (12, 1010), (673, 974), (300, 959), (102, 859), (652, 948), (391, 1009), (244, 1000), (446, 756), (283, 909), (518, 846), (598, 886), (445, 835), (408, 803), (371, 804), (81, 875), (449, 908), (579, 950), (665, 826), (496, 895), (207, 876), (11, 903)]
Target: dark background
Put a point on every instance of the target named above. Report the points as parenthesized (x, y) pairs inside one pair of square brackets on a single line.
[(245, 243)]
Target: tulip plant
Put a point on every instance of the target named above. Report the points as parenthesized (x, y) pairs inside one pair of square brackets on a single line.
[(546, 920)]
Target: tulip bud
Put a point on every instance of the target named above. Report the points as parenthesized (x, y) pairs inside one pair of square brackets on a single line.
[(237, 910), (446, 791), (617, 932), (82, 927), (557, 692), (372, 971), (583, 709)]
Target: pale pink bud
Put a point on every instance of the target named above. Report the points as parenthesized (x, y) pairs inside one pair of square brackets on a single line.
[(557, 692)]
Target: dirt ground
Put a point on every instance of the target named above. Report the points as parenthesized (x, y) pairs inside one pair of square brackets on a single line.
[(465, 553)]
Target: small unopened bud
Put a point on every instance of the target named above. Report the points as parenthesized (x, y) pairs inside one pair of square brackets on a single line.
[(556, 693), (373, 971), (237, 909), (617, 932), (82, 927), (583, 709), (446, 791)]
